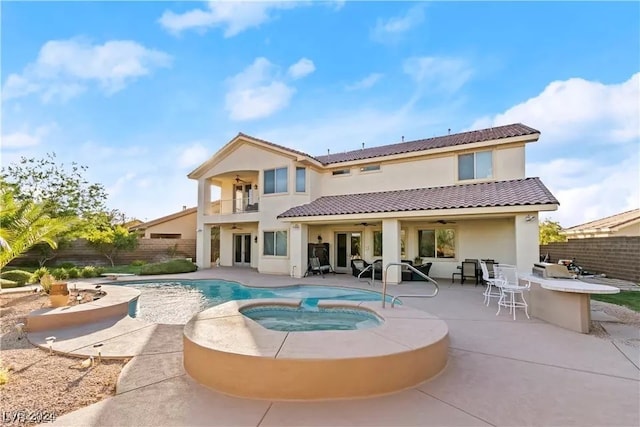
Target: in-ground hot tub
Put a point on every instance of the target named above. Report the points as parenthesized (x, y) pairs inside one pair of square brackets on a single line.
[(301, 318), (228, 351)]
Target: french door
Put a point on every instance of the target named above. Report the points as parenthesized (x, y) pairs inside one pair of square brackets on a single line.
[(348, 246), (242, 249)]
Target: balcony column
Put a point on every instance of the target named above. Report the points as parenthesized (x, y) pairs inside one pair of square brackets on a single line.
[(203, 245), (298, 250), (204, 197), (526, 239), (391, 248)]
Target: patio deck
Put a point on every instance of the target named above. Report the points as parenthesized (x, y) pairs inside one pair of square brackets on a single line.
[(500, 372)]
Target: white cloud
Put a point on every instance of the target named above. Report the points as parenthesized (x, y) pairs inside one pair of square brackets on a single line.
[(588, 150), (120, 184), (233, 16), (588, 189), (389, 30), (573, 109), (193, 155), (301, 68), (256, 92), (438, 74), (366, 82), (24, 139), (64, 68)]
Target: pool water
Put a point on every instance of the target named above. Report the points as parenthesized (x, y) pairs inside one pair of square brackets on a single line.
[(299, 319), (176, 301)]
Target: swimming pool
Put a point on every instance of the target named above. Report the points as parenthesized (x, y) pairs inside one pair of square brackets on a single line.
[(176, 301)]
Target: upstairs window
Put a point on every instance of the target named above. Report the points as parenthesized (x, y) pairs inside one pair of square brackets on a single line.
[(301, 180), (341, 172), (275, 181), (477, 165), (370, 168)]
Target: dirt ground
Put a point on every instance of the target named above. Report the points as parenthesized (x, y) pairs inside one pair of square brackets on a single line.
[(43, 386)]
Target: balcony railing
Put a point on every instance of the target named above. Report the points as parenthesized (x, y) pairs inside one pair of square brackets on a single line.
[(236, 206)]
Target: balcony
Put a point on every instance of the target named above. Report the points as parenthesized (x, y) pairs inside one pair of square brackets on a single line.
[(234, 210)]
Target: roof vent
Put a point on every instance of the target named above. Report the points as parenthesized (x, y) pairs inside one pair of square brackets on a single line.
[(363, 145), (402, 138), (184, 207), (449, 131)]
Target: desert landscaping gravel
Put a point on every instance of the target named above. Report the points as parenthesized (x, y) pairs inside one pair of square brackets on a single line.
[(43, 386)]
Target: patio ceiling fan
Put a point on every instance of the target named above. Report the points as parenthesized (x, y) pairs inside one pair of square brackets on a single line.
[(239, 180), (442, 221), (235, 227)]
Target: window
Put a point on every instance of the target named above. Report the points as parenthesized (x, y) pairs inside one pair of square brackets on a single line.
[(377, 243), (370, 168), (301, 180), (475, 165), (440, 243), (165, 236), (341, 172), (275, 243), (275, 181)]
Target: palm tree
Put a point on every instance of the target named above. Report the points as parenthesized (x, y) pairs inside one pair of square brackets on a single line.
[(24, 224)]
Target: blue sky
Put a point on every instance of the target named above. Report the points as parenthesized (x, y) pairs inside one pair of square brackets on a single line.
[(143, 92)]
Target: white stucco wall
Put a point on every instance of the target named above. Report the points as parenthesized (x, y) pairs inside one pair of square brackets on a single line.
[(185, 225)]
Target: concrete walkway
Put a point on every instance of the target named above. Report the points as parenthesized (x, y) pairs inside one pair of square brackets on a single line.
[(500, 372)]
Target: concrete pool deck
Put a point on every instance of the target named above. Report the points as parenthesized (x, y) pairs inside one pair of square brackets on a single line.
[(500, 372)]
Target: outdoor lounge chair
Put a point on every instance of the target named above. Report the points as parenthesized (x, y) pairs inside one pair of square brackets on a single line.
[(316, 268), (467, 271), (358, 266), (423, 268)]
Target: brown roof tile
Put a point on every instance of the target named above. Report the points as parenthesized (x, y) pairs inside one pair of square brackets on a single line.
[(481, 135), (519, 192)]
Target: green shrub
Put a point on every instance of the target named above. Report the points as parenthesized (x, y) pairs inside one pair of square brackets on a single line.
[(66, 265), (73, 272), (60, 274), (37, 275), (99, 271), (89, 271), (46, 281), (19, 276), (138, 263), (6, 284), (169, 267)]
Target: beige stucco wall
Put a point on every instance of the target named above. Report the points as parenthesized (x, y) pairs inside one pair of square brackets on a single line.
[(434, 171), (185, 225)]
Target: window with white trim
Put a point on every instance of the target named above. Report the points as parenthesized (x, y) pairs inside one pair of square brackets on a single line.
[(370, 168), (301, 179), (275, 181), (476, 165), (341, 172), (437, 243), (275, 243)]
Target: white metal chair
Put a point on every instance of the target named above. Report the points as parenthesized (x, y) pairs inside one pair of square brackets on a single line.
[(492, 290), (507, 276)]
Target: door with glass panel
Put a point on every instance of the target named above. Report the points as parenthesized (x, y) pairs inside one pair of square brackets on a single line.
[(242, 249), (241, 197), (348, 247)]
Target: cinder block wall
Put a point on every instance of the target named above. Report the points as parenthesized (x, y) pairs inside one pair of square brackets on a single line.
[(150, 250), (617, 257)]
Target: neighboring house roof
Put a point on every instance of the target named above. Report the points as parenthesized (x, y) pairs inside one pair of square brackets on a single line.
[(518, 192), (482, 135), (610, 223), (166, 218)]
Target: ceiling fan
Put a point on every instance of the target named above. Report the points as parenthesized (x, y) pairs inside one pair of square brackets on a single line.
[(442, 221), (235, 227), (364, 224), (239, 180)]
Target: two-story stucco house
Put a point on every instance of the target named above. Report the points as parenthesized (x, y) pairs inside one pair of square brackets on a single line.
[(442, 199)]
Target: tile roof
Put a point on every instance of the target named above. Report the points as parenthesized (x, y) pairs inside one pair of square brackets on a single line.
[(518, 192), (481, 135), (609, 222)]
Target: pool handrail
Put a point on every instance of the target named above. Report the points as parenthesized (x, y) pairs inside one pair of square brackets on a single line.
[(413, 269)]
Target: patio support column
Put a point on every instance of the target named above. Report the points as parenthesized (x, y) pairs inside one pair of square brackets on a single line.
[(391, 248), (298, 250), (203, 232), (527, 238), (203, 245)]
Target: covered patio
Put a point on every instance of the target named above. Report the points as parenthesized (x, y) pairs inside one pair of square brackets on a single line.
[(500, 372)]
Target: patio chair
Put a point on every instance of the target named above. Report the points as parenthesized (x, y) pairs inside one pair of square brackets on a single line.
[(358, 266), (493, 290), (467, 271), (507, 280), (316, 268), (424, 269)]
